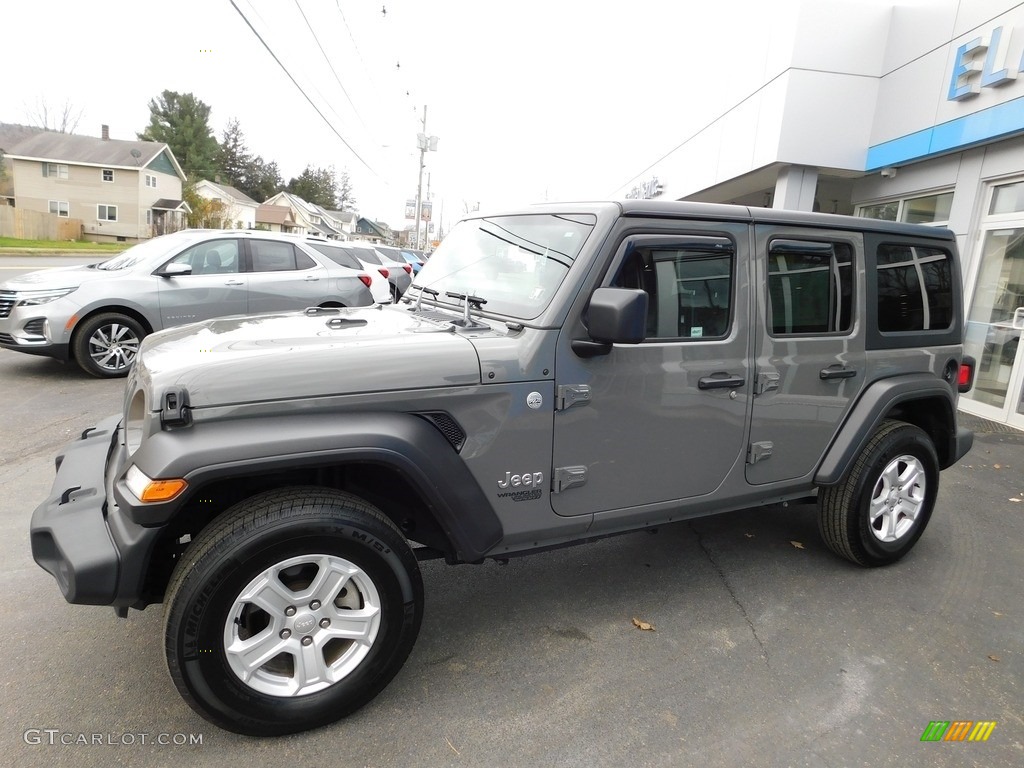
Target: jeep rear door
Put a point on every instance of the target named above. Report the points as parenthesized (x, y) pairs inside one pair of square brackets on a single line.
[(810, 364), (645, 425)]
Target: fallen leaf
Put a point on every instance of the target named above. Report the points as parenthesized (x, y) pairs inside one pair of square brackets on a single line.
[(996, 613), (1016, 500), (797, 544), (993, 658), (997, 466), (646, 626), (749, 535)]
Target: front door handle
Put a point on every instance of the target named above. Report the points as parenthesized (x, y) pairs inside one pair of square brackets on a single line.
[(837, 372), (720, 381), (311, 278), (234, 282)]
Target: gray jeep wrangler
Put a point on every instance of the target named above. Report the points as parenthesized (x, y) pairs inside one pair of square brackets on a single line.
[(556, 374)]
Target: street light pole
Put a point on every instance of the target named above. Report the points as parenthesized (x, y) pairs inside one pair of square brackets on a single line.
[(426, 143)]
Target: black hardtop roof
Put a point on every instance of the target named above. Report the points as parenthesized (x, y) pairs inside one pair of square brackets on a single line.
[(676, 209)]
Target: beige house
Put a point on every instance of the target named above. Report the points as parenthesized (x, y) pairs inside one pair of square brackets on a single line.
[(123, 191), (275, 218), (232, 209)]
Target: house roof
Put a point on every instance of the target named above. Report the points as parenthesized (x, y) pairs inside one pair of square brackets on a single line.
[(274, 214), (51, 146), (346, 217), (372, 226), (169, 204), (12, 133), (229, 191)]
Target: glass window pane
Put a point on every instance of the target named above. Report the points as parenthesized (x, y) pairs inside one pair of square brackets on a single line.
[(915, 290), (1008, 198), (268, 256), (928, 210), (882, 211), (809, 291)]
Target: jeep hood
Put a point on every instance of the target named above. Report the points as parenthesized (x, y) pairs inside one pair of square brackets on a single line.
[(242, 359)]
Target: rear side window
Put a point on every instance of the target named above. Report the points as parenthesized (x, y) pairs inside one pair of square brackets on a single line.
[(338, 255), (810, 287), (268, 256), (915, 288)]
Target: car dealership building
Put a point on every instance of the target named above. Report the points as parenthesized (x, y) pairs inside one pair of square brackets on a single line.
[(908, 111)]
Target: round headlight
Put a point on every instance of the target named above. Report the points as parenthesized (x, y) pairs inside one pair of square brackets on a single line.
[(135, 421)]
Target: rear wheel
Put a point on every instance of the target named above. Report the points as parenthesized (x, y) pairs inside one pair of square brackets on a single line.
[(106, 345), (293, 611), (879, 510)]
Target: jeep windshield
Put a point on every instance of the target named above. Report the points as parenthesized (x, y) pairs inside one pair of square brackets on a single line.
[(515, 263)]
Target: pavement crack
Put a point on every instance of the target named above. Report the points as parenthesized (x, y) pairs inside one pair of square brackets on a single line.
[(732, 593)]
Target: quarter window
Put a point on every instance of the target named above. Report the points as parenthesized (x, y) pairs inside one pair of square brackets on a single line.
[(810, 287), (915, 288), (106, 212), (108, 174), (60, 208)]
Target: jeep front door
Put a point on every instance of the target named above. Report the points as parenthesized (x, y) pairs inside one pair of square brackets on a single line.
[(642, 426)]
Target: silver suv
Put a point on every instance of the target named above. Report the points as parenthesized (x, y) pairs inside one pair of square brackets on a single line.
[(559, 374), (98, 314)]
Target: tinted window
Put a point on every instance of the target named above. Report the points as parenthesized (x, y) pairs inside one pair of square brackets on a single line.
[(810, 287), (689, 288), (338, 255), (915, 288), (268, 256)]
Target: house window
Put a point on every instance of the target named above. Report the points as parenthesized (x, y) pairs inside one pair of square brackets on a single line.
[(108, 174), (60, 207), (106, 212), (55, 170), (149, 217), (151, 181)]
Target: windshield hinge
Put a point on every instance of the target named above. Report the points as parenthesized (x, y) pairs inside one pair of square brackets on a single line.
[(569, 395)]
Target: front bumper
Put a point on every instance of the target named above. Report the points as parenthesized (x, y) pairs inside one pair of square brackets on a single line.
[(78, 535)]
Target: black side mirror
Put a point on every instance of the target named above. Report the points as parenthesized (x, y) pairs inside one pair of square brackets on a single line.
[(614, 316)]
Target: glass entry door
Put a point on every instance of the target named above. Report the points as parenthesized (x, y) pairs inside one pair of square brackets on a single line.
[(995, 323)]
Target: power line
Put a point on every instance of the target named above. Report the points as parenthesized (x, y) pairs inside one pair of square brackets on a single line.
[(329, 64), (302, 91)]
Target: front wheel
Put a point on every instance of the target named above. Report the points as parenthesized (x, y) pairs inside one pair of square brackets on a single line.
[(879, 510), (106, 345), (292, 611)]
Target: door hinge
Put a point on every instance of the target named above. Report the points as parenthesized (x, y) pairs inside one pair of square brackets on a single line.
[(569, 395), (564, 478), (759, 451), (766, 381)]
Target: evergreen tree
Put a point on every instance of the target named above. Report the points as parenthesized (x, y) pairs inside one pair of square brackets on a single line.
[(183, 123), (262, 179), (315, 185), (234, 159), (345, 196)]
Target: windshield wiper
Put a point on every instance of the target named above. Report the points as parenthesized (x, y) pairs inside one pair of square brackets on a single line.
[(433, 294), (475, 301)]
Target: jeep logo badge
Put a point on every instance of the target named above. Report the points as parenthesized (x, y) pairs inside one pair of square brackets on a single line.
[(529, 479)]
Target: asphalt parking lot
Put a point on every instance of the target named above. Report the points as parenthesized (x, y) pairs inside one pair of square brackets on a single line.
[(765, 649)]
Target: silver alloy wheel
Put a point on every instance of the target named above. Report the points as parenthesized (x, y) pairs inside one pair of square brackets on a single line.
[(898, 498), (113, 347), (302, 625)]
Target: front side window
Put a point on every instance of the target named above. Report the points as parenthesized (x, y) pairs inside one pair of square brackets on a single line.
[(915, 288), (810, 287), (216, 257), (514, 263), (60, 208), (108, 174), (106, 212), (689, 287)]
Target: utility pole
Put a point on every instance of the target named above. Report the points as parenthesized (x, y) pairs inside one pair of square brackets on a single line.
[(426, 143)]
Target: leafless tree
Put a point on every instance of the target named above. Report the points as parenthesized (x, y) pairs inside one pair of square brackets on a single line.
[(63, 119)]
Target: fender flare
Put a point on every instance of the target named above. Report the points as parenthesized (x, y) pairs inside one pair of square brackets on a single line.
[(869, 412), (212, 451)]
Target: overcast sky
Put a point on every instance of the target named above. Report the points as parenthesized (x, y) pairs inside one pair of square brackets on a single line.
[(558, 100)]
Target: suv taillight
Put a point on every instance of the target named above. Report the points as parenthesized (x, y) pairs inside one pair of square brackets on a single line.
[(383, 272), (965, 376), (408, 269), (366, 280)]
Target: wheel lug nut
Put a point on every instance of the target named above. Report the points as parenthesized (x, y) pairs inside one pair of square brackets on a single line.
[(325, 623), (314, 605), (307, 640), (289, 611), (285, 634)]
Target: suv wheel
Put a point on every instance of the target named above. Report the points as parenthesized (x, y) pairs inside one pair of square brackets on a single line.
[(105, 346), (879, 510), (292, 611)]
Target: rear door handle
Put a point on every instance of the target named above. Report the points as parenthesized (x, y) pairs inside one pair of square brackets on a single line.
[(234, 282), (837, 372), (720, 381), (311, 278)]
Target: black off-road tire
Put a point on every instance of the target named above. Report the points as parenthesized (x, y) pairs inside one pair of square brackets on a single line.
[(272, 551), (872, 501)]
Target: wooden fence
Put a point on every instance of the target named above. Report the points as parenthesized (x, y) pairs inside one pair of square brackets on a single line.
[(33, 225)]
